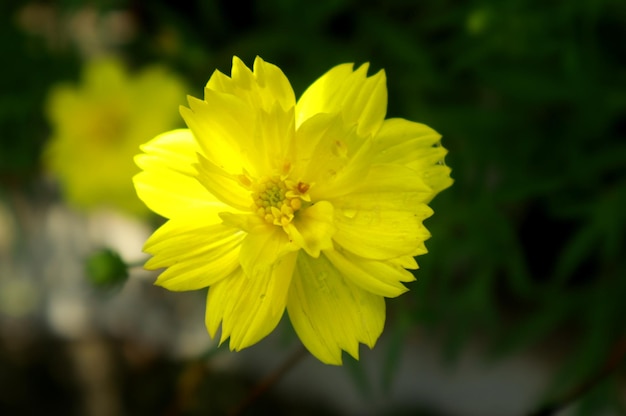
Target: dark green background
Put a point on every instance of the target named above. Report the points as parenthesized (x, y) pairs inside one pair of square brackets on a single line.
[(528, 246)]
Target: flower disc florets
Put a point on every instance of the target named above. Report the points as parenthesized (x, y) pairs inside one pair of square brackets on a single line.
[(277, 200)]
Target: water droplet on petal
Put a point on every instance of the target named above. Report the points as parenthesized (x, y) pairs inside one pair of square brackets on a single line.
[(349, 212)]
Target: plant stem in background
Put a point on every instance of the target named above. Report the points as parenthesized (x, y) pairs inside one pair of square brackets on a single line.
[(269, 381)]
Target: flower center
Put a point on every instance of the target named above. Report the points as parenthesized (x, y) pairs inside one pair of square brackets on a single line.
[(276, 200)]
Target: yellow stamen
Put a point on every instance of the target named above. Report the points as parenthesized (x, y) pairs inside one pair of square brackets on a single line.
[(277, 200)]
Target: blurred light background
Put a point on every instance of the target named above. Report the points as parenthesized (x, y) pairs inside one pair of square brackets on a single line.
[(520, 300)]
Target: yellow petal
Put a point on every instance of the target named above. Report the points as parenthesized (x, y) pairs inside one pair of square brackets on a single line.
[(329, 313), (266, 81), (62, 105), (406, 262), (272, 146), (414, 145), (225, 186), (312, 228), (250, 223), (167, 184), (378, 234), (263, 247), (378, 277), (377, 200), (385, 190), (164, 92), (245, 122), (382, 218), (317, 96), (249, 308), (196, 256), (175, 149), (360, 99), (220, 122), (104, 75), (237, 136), (273, 83), (331, 155), (392, 179)]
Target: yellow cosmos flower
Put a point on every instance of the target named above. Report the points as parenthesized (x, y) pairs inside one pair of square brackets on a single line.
[(314, 206), (98, 125)]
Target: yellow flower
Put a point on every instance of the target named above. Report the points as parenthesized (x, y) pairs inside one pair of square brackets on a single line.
[(315, 206), (98, 125)]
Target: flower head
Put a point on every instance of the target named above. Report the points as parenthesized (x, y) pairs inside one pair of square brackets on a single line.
[(314, 206), (98, 125)]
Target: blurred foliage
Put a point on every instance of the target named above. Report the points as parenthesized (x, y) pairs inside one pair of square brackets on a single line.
[(528, 246), (24, 86)]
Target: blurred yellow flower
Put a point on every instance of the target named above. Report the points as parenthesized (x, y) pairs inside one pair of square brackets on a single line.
[(98, 126), (314, 206)]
